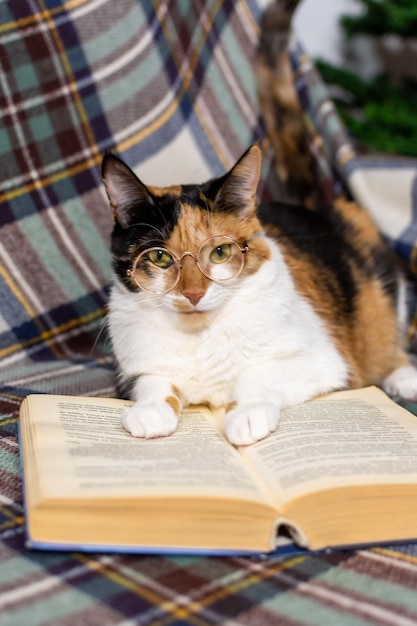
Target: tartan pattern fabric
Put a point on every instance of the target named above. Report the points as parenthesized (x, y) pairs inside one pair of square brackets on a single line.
[(385, 185), (366, 588), (148, 80), (170, 87), (328, 138)]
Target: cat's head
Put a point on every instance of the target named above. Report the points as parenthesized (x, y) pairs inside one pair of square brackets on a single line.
[(186, 246)]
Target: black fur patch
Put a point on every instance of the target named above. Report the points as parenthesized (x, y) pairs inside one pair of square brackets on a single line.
[(152, 227), (125, 388), (326, 240)]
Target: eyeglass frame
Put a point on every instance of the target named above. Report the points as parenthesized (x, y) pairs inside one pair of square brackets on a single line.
[(131, 273)]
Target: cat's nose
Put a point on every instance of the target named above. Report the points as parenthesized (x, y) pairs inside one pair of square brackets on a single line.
[(194, 295)]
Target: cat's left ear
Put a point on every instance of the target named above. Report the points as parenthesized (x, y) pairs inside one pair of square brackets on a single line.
[(238, 191)]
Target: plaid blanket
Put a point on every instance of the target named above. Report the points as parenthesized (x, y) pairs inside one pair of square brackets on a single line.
[(385, 185), (170, 87)]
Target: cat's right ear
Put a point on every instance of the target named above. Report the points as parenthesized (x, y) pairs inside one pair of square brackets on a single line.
[(238, 190), (124, 190)]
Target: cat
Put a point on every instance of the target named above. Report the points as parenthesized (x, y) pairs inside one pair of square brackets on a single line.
[(215, 301)]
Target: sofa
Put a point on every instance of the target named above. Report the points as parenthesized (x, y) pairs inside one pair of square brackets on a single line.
[(170, 87)]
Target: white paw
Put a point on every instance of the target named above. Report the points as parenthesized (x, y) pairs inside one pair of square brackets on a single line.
[(402, 383), (150, 420), (250, 422)]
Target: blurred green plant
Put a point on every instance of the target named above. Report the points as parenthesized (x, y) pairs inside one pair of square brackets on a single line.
[(380, 113), (380, 17)]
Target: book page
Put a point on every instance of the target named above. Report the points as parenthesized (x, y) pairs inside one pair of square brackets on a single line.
[(82, 449), (348, 438)]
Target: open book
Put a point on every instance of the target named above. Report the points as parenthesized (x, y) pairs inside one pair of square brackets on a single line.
[(339, 470)]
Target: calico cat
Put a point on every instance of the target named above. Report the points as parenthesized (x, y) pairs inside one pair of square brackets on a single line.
[(217, 302)]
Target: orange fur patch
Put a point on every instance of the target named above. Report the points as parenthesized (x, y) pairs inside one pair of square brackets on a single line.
[(196, 225), (174, 401), (369, 342), (282, 113), (173, 190)]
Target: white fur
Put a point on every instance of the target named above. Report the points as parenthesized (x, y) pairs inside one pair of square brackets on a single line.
[(151, 416), (262, 347), (402, 383)]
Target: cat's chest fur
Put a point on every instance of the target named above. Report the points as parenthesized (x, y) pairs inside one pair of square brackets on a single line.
[(265, 318)]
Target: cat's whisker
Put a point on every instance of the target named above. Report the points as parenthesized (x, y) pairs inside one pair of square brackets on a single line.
[(150, 299), (104, 328), (150, 227), (164, 219)]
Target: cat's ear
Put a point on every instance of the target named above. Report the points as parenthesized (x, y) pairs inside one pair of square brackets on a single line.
[(124, 190), (238, 190)]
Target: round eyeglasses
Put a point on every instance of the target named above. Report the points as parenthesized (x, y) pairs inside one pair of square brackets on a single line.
[(157, 270)]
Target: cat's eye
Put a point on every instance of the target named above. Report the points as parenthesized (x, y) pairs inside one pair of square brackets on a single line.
[(221, 254), (161, 258)]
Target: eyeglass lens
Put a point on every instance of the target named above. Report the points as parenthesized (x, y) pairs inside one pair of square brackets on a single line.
[(157, 270)]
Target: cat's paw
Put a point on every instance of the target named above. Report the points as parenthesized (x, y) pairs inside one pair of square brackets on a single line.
[(150, 420), (402, 383), (250, 422)]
